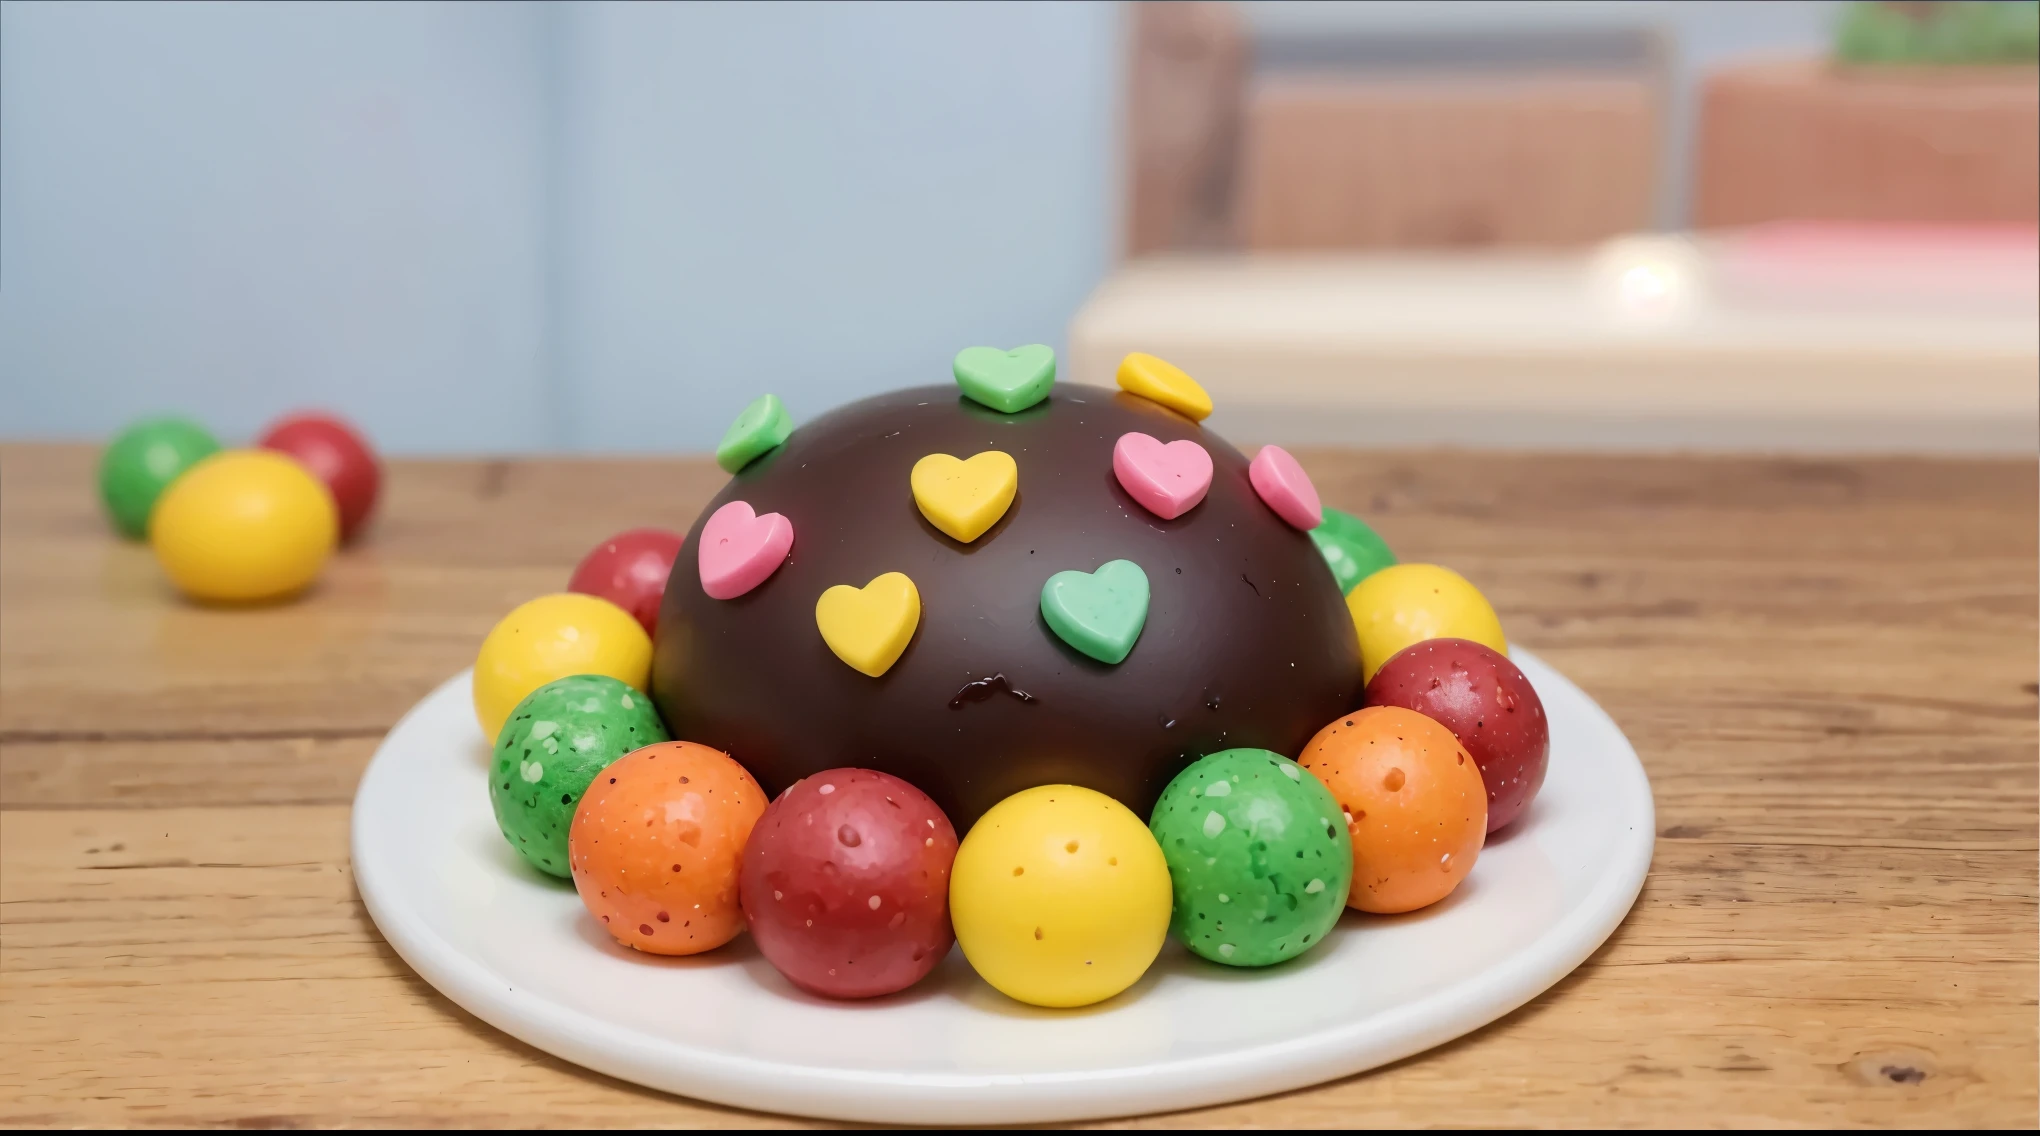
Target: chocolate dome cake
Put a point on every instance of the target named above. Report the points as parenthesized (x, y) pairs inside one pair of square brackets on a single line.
[(1239, 634)]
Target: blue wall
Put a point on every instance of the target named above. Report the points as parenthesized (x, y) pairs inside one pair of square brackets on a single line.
[(232, 209), (512, 227), (820, 200)]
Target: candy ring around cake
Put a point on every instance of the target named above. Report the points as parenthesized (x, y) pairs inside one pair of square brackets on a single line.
[(516, 949)]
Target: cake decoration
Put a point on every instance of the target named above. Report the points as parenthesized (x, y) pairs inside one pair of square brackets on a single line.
[(740, 550), (763, 425), (656, 843), (1486, 702), (1271, 611), (1166, 480), (1352, 549), (1418, 812), (555, 742), (1060, 896), (1006, 381), (845, 883), (964, 498), (1247, 643), (1165, 383), (552, 637), (1409, 603), (1258, 853), (630, 570), (869, 627), (1099, 613), (1285, 488)]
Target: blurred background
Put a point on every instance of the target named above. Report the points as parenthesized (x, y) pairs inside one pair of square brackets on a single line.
[(519, 227)]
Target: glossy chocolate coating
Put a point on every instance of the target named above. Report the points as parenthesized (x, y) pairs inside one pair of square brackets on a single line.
[(1247, 642)]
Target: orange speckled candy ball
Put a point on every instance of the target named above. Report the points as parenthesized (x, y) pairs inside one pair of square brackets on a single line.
[(1414, 803), (656, 843)]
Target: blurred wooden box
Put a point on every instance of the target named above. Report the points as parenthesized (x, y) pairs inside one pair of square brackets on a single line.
[(1445, 161), (1806, 139)]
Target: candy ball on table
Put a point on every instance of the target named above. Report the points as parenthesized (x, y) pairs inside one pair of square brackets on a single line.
[(1487, 703), (552, 637), (557, 739), (1258, 854), (657, 844), (243, 526), (1416, 809), (337, 455), (142, 462), (1060, 897), (846, 883), (630, 570), (1409, 603)]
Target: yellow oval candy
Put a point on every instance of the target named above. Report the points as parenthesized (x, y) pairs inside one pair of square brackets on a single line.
[(244, 525), (1164, 382), (552, 637), (964, 498), (869, 627), (1060, 896), (1409, 603)]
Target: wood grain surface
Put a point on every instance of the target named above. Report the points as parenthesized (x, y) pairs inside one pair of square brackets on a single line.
[(1828, 668)]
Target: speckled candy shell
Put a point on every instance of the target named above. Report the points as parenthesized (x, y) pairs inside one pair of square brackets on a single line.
[(1257, 856), (554, 744)]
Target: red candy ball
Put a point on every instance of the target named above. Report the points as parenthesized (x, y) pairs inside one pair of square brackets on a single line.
[(1486, 702), (337, 455), (845, 883), (630, 570)]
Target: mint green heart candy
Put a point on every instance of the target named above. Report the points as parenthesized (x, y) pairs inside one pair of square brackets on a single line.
[(763, 425), (1006, 381), (1351, 549), (1099, 613)]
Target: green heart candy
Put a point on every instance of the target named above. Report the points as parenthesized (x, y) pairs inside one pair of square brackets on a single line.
[(1006, 381), (1352, 549), (1099, 613), (763, 425)]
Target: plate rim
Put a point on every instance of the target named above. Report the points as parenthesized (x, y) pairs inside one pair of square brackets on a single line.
[(863, 1095)]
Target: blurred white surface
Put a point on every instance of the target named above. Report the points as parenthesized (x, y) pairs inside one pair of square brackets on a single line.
[(1648, 343)]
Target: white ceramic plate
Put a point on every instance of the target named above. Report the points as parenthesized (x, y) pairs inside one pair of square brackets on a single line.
[(516, 949)]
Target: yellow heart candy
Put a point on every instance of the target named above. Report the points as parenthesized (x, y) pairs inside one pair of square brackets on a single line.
[(868, 627), (1163, 382), (964, 498)]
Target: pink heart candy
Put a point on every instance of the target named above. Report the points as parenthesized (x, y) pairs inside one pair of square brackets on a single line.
[(740, 549), (1168, 481), (1285, 488)]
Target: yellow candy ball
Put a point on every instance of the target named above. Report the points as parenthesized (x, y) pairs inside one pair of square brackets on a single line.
[(1060, 896), (1409, 603), (244, 525), (553, 637)]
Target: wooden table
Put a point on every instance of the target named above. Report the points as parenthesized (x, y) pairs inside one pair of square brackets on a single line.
[(1827, 666)]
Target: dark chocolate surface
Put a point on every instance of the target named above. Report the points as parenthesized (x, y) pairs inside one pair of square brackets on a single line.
[(1247, 641)]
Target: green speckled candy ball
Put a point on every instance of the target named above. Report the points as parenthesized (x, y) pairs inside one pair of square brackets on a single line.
[(1351, 547), (1258, 855), (556, 741)]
